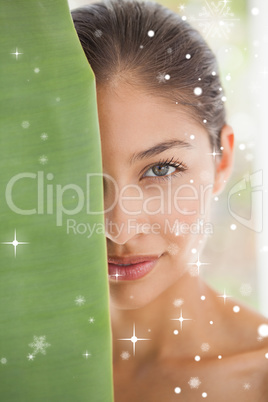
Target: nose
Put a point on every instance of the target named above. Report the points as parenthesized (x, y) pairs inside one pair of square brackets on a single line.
[(124, 219)]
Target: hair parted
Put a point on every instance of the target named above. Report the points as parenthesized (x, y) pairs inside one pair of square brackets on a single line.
[(152, 48)]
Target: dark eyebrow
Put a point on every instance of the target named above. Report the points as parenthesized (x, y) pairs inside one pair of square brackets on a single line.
[(158, 148)]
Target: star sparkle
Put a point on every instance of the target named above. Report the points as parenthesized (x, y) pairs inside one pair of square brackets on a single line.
[(16, 54), (15, 243), (181, 319), (214, 153), (198, 263), (86, 354), (134, 339), (224, 296), (117, 275)]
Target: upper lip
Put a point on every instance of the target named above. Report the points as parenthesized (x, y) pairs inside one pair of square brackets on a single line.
[(132, 259)]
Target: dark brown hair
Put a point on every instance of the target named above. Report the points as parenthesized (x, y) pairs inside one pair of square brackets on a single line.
[(151, 47)]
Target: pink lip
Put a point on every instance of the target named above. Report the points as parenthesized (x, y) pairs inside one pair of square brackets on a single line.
[(131, 272)]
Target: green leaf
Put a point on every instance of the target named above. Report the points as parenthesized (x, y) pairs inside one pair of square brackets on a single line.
[(55, 333)]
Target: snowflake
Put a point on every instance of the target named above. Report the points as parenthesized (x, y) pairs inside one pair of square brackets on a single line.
[(98, 33), (178, 302), (80, 300), (125, 355), (25, 124), (44, 136), (246, 386), (39, 345), (91, 320), (173, 248), (194, 382), (245, 289), (163, 77), (215, 19), (3, 360), (43, 159), (205, 347)]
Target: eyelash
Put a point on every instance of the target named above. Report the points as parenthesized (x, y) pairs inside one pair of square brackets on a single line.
[(180, 166)]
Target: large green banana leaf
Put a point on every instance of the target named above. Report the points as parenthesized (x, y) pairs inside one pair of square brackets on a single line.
[(55, 333)]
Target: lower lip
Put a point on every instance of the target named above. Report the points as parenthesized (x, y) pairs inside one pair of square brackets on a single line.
[(130, 272)]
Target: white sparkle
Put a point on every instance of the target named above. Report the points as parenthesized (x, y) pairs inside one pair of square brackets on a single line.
[(194, 382), (263, 330), (224, 296), (198, 264), (175, 332), (134, 339), (204, 394), (91, 320), (203, 298), (15, 243), (197, 358), (16, 53), (211, 322), (80, 300), (246, 386), (3, 360), (37, 70), (177, 390), (39, 345), (150, 33), (198, 91), (30, 356), (181, 319), (236, 309), (220, 357), (192, 137), (167, 77), (86, 354), (125, 355), (188, 56), (255, 11), (266, 355), (216, 198)]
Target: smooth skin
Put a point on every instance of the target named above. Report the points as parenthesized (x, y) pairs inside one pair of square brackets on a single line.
[(131, 121)]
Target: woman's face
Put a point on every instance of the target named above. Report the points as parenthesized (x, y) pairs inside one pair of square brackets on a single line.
[(158, 210)]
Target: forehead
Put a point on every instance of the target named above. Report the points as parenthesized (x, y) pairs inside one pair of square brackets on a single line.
[(131, 119)]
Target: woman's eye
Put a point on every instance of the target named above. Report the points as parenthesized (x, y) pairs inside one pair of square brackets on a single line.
[(159, 170)]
